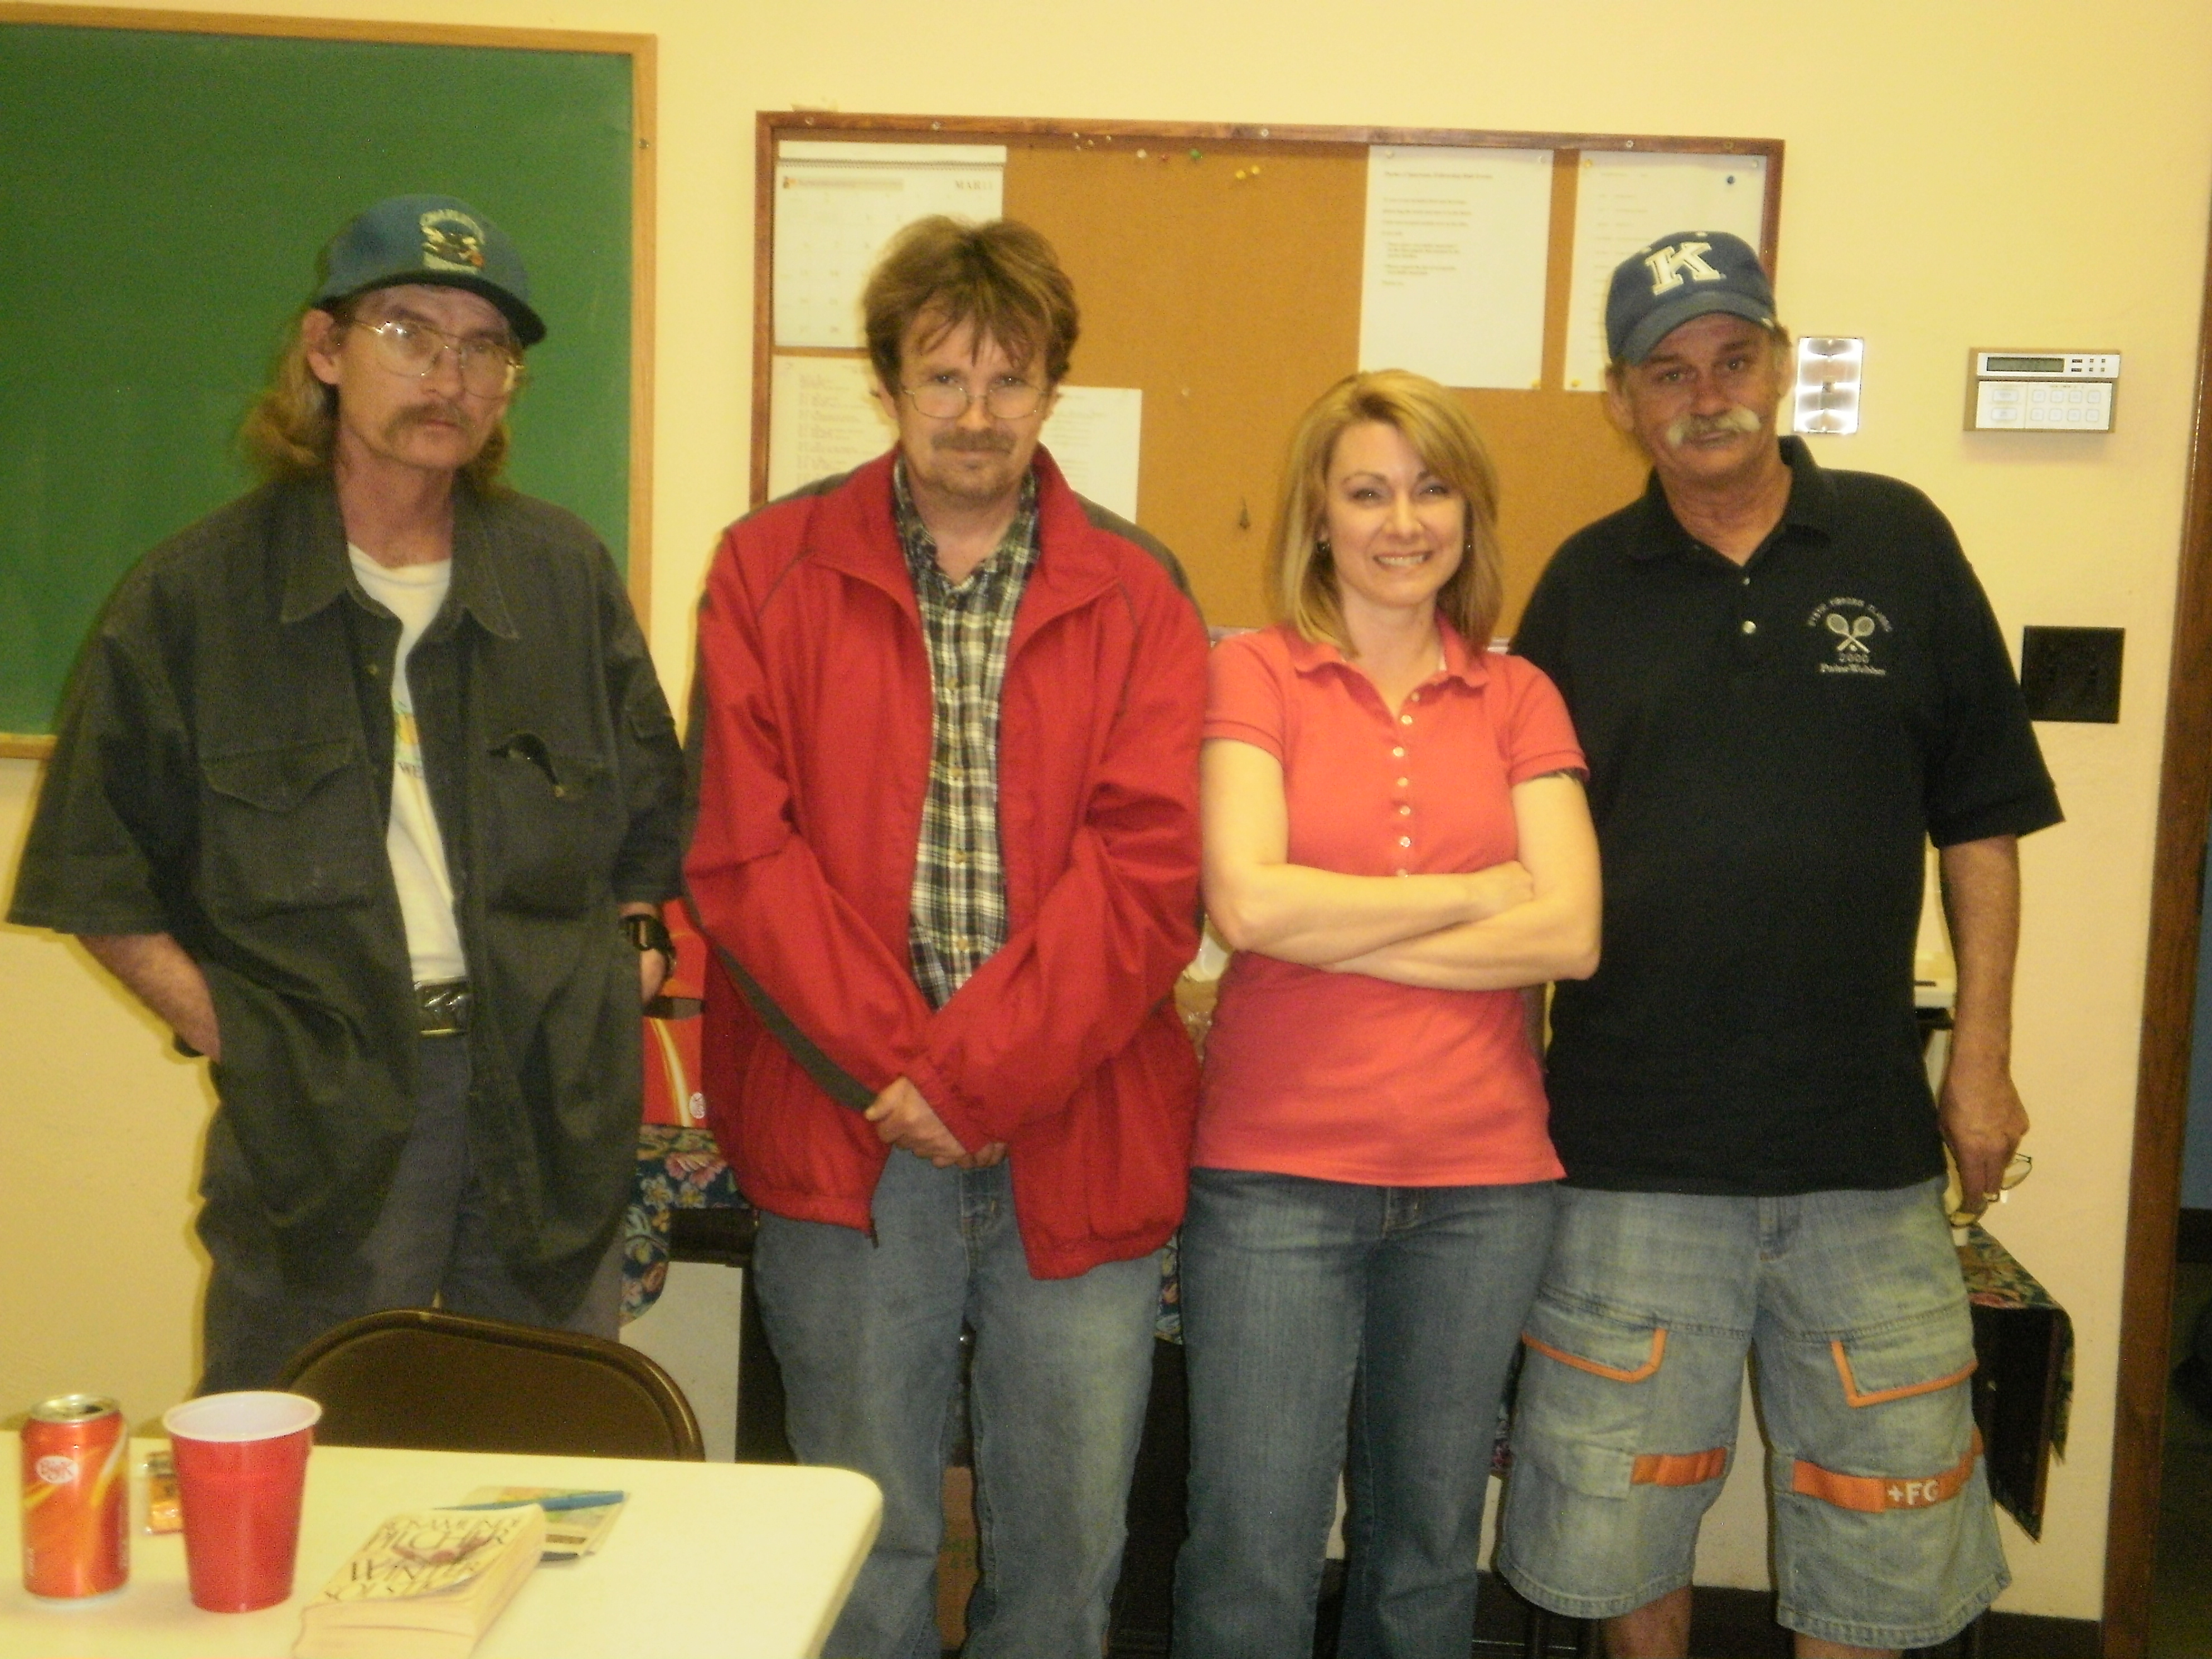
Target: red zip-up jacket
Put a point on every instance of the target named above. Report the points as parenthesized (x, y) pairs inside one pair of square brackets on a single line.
[(814, 711)]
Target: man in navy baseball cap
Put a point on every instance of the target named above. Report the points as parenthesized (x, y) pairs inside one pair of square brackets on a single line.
[(433, 240), (1787, 681), (367, 787), (1692, 273)]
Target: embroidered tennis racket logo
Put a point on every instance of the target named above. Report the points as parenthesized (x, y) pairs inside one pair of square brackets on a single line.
[(1857, 634), (1852, 636)]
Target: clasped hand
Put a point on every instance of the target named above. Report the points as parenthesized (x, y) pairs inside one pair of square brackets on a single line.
[(904, 1119)]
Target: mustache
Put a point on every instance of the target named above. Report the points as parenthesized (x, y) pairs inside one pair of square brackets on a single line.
[(981, 443), (441, 409), (1689, 427)]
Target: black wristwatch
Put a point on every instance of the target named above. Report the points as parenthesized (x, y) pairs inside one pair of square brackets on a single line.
[(647, 931)]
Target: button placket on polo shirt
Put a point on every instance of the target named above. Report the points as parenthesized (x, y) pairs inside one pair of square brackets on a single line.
[(1752, 597), (1401, 799)]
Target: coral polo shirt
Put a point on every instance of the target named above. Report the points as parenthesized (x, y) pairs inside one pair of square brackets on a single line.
[(1342, 1077)]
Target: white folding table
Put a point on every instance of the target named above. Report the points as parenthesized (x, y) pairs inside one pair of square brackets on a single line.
[(707, 1561)]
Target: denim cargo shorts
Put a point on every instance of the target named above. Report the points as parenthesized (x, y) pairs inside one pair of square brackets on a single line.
[(1853, 1308)]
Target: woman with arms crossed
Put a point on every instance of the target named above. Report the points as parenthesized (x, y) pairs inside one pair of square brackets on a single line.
[(1396, 843)]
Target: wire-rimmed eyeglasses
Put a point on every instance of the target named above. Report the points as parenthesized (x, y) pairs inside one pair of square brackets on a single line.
[(488, 367), (2018, 1171), (946, 398)]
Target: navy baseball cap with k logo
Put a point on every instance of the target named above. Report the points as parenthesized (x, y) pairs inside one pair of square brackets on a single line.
[(437, 239), (1663, 285)]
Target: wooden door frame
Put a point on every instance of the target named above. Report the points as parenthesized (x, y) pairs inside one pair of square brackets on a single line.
[(2184, 807)]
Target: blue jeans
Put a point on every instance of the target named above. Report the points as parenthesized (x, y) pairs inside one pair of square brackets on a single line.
[(432, 1242), (1302, 1299), (867, 1332), (1852, 1304)]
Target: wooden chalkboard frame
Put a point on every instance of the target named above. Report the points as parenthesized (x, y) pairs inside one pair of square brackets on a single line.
[(642, 51), (1208, 490)]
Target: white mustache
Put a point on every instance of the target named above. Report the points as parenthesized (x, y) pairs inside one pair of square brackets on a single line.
[(1691, 427)]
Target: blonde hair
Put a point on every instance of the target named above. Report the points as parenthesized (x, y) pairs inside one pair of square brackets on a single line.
[(291, 431), (1302, 576), (1002, 277)]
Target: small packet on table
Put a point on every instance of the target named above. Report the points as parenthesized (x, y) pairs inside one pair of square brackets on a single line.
[(577, 1520), (163, 1514)]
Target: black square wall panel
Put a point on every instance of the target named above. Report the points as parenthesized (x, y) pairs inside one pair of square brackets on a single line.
[(2071, 673)]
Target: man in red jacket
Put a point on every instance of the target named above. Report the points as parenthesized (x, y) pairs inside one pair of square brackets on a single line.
[(947, 843)]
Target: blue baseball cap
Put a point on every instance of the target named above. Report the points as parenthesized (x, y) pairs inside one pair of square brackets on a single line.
[(438, 240), (1664, 284)]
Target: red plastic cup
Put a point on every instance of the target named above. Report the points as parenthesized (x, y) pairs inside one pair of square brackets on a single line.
[(241, 1466)]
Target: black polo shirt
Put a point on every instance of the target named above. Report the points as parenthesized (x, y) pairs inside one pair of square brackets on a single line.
[(1769, 745)]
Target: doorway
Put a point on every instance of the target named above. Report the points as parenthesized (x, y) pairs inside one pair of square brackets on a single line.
[(2147, 1314), (2181, 1586)]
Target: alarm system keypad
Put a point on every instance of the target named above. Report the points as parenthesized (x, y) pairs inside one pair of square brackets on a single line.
[(2043, 406)]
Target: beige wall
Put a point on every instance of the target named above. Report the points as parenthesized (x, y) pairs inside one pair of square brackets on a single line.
[(2026, 174)]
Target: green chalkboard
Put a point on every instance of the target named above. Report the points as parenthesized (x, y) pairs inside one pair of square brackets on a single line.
[(163, 199)]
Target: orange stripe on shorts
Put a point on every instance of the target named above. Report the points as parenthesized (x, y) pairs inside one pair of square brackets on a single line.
[(1882, 1396), (1649, 1368), (1873, 1493), (1678, 1468)]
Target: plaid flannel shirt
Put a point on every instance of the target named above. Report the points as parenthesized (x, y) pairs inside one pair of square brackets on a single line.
[(959, 903)]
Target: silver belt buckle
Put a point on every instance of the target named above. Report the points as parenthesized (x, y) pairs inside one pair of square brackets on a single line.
[(442, 1007)]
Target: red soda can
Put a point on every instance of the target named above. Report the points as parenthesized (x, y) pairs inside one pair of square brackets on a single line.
[(76, 1492)]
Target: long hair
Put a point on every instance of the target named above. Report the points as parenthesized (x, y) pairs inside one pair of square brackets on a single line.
[(291, 431), (1002, 277), (1301, 576)]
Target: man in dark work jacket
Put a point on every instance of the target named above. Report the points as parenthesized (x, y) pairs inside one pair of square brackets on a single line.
[(1786, 681), (365, 785)]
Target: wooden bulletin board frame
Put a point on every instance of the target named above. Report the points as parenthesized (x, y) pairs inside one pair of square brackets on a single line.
[(1596, 469), (642, 52)]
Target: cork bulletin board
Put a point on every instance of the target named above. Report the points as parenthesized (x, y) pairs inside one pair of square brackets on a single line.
[(1219, 269)]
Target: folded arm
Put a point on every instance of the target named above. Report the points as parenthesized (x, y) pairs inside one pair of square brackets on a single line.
[(1554, 935), (1258, 900)]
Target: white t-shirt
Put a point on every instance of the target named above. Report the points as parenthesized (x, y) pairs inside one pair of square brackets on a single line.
[(413, 594)]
